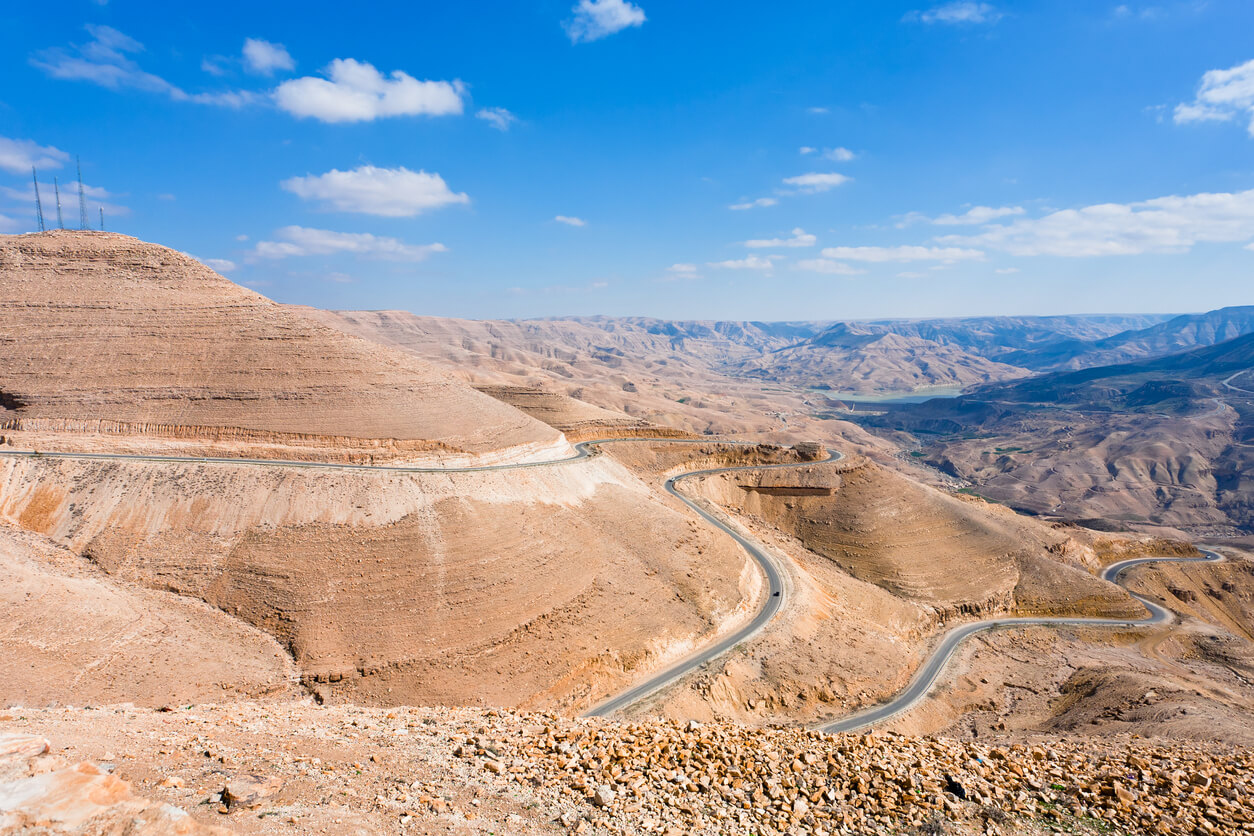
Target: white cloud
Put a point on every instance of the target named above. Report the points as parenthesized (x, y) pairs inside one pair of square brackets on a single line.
[(908, 274), (1250, 247), (815, 182), (840, 155), (105, 60), (682, 269), (97, 198), (818, 110), (18, 155), (800, 238), (946, 255), (8, 224), (1006, 271), (753, 262), (570, 220), (1163, 225), (978, 215), (263, 57), (497, 117), (303, 241), (389, 192), (754, 204), (828, 266), (962, 11), (355, 91), (219, 265), (596, 19), (1222, 96), (974, 216)]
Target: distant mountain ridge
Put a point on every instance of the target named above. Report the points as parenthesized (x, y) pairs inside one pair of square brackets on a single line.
[(1174, 335)]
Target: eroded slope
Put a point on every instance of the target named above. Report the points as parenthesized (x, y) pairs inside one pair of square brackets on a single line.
[(100, 332)]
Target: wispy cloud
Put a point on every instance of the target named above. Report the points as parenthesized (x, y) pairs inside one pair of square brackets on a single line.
[(959, 12), (388, 192), (946, 255), (1222, 96), (19, 155), (800, 238), (596, 19), (263, 57), (219, 265), (681, 271), (828, 266), (815, 182), (570, 220), (497, 117), (303, 241), (839, 155), (974, 216), (1171, 224), (105, 60), (97, 198), (354, 91), (753, 204), (752, 262)]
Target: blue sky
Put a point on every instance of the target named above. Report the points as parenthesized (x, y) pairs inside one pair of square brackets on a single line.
[(733, 160)]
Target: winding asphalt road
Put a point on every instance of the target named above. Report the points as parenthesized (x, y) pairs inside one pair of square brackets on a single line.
[(583, 450), (774, 598), (927, 675), (919, 686)]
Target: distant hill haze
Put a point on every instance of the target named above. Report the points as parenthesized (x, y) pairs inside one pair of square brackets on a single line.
[(1167, 440)]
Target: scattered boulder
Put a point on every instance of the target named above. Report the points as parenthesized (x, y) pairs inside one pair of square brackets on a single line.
[(248, 790)]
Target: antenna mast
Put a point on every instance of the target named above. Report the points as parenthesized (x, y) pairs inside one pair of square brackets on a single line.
[(101, 208), (82, 201), (39, 207), (56, 189)]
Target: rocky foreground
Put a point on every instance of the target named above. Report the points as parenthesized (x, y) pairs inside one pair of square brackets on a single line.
[(345, 769)]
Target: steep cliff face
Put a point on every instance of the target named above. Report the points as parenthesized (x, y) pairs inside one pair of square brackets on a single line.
[(104, 334)]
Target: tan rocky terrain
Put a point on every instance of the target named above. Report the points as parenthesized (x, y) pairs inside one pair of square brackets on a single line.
[(878, 567), (104, 334), (1162, 443), (354, 770), (247, 640), (71, 633), (547, 586), (859, 359), (652, 371)]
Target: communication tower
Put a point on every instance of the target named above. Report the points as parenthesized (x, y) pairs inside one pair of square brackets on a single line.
[(39, 207), (56, 190), (82, 201)]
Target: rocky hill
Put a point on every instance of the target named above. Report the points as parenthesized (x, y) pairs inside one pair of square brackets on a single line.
[(864, 359), (105, 334), (1173, 336), (1164, 441)]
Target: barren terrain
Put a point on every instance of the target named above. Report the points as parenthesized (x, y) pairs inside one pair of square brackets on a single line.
[(218, 610)]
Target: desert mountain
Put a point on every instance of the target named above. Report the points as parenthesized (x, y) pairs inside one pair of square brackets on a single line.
[(997, 336), (102, 333), (545, 586), (1163, 441), (670, 374), (865, 359), (1175, 335)]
